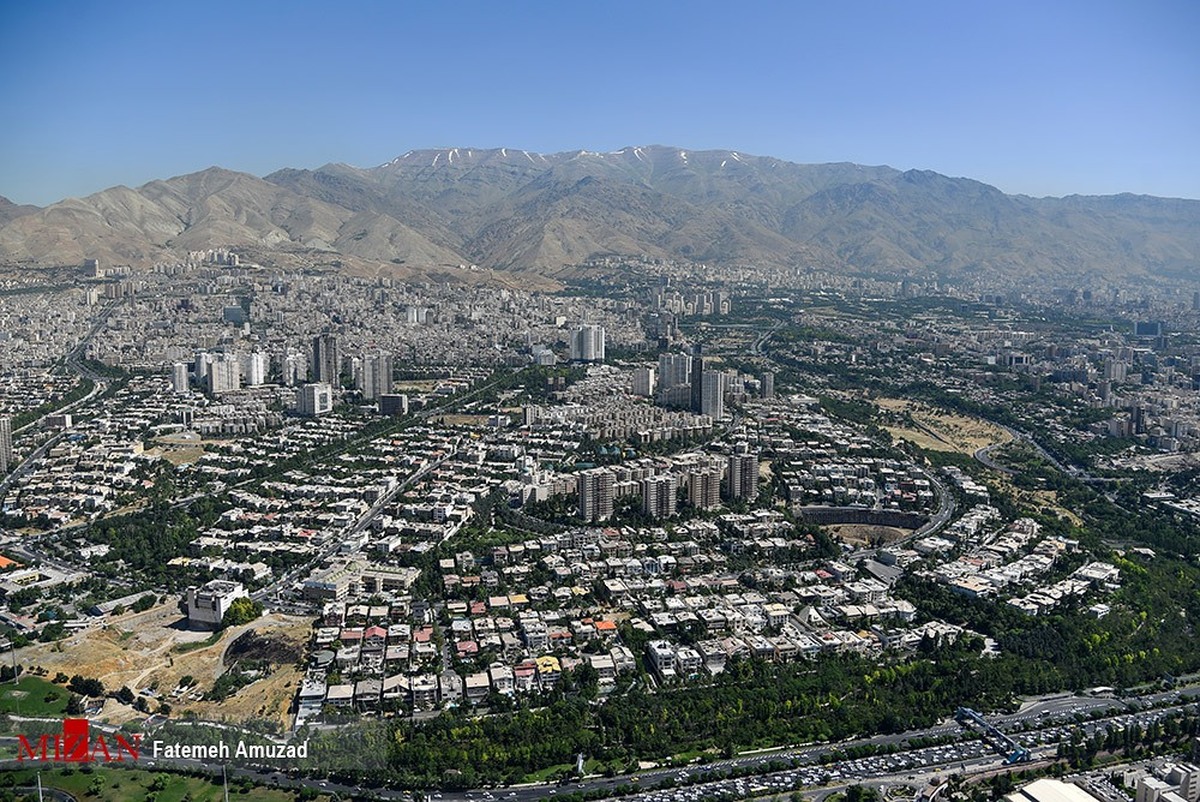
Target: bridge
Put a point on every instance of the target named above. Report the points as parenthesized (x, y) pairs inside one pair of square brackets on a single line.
[(1013, 752)]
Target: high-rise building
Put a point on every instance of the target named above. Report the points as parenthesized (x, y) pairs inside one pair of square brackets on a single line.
[(643, 382), (292, 369), (326, 359), (179, 378), (712, 395), (224, 374), (6, 451), (743, 476), (674, 370), (234, 314), (200, 366), (704, 489), (658, 496), (697, 377), (768, 385), (254, 368), (314, 399), (587, 344), (376, 376), (596, 489)]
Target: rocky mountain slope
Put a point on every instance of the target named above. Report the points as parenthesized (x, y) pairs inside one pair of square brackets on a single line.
[(515, 210)]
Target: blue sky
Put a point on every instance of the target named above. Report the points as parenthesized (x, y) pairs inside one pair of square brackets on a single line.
[(1043, 98)]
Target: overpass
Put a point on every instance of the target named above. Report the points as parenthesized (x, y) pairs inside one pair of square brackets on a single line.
[(1002, 743)]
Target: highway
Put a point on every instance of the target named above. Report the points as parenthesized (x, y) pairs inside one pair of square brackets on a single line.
[(945, 511), (335, 543), (984, 457), (99, 385), (1040, 724)]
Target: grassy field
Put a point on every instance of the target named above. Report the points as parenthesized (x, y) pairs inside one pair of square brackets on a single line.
[(590, 766), (132, 785), (33, 696)]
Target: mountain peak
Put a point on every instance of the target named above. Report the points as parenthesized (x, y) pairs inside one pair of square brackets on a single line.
[(510, 208), (446, 157)]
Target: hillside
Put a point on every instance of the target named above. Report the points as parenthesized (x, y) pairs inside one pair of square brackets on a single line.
[(514, 210)]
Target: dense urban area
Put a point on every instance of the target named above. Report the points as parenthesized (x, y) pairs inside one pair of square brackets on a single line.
[(668, 534)]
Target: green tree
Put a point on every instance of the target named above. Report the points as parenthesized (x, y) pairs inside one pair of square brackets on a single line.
[(241, 611)]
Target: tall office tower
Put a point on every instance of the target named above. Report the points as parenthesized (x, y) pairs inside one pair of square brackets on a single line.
[(200, 367), (743, 476), (712, 395), (674, 370), (224, 374), (292, 368), (658, 496), (596, 490), (704, 489), (668, 328), (768, 385), (697, 377), (179, 378), (376, 376), (643, 381), (587, 344), (314, 399), (6, 453), (326, 359), (254, 368)]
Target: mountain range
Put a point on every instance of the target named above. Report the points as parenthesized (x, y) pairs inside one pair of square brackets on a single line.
[(544, 214)]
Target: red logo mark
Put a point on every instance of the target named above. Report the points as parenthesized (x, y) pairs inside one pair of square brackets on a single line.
[(75, 745)]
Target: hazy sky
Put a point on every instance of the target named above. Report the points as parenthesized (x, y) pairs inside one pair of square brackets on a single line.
[(1044, 97)]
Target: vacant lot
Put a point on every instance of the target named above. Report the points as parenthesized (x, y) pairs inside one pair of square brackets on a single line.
[(940, 430), (868, 534), (465, 420), (416, 385), (153, 650)]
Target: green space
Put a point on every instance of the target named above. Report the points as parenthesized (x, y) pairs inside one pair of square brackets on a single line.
[(133, 785), (77, 392), (549, 773), (33, 696)]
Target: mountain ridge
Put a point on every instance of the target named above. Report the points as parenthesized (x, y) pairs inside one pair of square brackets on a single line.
[(537, 213)]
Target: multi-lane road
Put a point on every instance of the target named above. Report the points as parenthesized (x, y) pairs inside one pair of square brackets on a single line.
[(1039, 725)]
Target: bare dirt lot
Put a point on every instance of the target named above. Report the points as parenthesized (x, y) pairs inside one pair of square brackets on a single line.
[(941, 430), (464, 420), (868, 534), (152, 650)]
